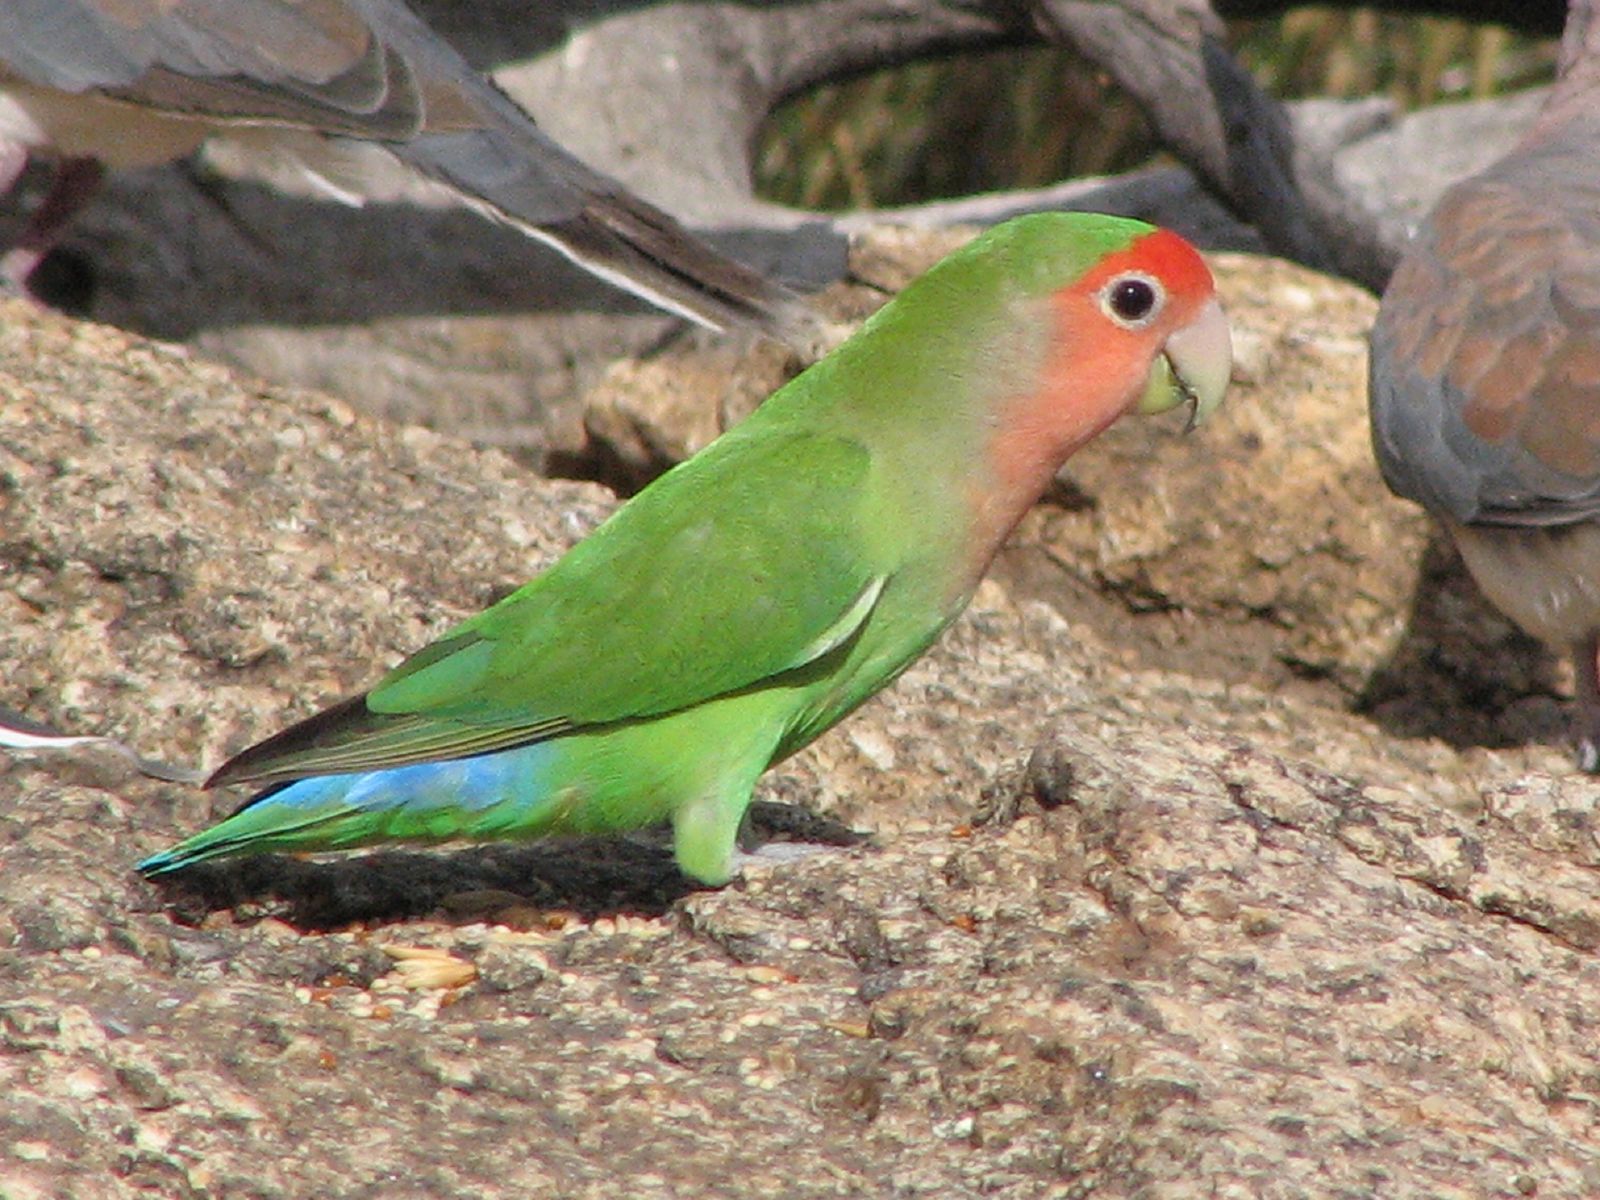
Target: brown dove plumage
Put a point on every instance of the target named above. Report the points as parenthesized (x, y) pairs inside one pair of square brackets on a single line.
[(1485, 376), (136, 82)]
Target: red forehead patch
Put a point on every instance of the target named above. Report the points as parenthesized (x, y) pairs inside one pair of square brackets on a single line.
[(1160, 253)]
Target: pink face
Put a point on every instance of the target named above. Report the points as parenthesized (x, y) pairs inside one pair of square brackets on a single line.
[(1111, 327), (1114, 321), (1154, 300)]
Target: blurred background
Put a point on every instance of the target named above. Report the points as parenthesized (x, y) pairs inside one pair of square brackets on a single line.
[(932, 130)]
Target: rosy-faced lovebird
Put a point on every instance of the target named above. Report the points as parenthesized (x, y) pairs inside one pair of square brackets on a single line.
[(1485, 375), (751, 597)]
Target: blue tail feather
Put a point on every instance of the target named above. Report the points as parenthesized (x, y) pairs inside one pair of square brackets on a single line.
[(485, 796)]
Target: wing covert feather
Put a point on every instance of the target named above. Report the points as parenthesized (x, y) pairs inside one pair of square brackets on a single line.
[(742, 564), (1486, 353), (721, 574), (325, 64)]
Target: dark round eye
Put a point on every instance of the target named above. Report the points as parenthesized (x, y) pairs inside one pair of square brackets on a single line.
[(1132, 299)]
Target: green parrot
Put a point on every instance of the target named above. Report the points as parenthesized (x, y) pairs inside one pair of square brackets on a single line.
[(751, 597)]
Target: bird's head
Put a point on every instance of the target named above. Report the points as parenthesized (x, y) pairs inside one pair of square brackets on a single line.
[(1141, 324), (1123, 318)]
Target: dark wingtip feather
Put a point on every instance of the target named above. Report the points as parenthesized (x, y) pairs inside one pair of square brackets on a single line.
[(273, 758)]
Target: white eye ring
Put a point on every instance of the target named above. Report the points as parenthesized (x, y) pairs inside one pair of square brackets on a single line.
[(1133, 299)]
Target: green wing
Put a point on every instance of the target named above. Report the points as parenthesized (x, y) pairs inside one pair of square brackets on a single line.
[(741, 564)]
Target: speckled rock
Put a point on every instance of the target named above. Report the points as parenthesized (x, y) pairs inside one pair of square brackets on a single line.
[(1146, 912)]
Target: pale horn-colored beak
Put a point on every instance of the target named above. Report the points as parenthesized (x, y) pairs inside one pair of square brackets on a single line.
[(1193, 367)]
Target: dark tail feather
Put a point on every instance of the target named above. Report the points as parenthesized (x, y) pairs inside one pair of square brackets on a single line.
[(524, 179), (19, 733), (258, 763), (476, 140)]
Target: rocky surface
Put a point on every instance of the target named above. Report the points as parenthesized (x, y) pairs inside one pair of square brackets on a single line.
[(1226, 848)]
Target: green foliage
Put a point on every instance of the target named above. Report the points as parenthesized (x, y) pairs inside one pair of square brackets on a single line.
[(1006, 118), (1031, 116), (1361, 52)]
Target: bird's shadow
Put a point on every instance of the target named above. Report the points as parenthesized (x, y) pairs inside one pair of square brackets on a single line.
[(518, 884), (505, 884), (1462, 672)]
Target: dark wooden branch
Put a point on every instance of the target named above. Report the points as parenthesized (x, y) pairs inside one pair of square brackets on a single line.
[(1169, 55)]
